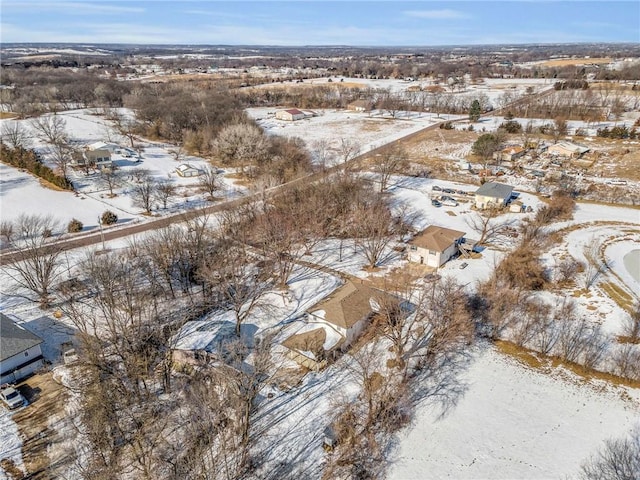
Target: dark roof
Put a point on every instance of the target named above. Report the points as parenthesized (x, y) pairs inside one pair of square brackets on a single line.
[(14, 339), (495, 190)]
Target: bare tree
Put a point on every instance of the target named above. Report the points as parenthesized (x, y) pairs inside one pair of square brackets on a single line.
[(15, 135), (373, 229), (618, 460), (164, 191), (392, 161), (233, 274), (209, 181), (110, 178), (348, 150), (50, 129), (177, 152), (241, 144), (38, 264), (144, 192), (126, 126), (322, 153), (632, 324), (487, 224)]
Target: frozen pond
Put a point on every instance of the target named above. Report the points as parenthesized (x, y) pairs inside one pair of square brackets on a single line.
[(632, 264)]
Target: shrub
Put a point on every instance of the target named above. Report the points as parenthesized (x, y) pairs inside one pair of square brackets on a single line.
[(108, 218), (75, 226), (511, 126)]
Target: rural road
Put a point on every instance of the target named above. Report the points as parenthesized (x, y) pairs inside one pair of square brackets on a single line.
[(67, 242)]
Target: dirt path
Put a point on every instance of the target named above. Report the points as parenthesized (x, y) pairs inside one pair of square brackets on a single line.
[(40, 425)]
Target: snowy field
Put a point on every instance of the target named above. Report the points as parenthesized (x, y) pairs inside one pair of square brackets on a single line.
[(22, 193), (513, 422), (369, 131)]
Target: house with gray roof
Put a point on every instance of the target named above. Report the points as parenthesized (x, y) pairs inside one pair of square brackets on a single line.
[(20, 353), (493, 195)]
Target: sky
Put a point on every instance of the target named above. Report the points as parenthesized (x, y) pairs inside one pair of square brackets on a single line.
[(300, 22)]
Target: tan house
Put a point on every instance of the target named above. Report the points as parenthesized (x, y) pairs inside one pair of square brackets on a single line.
[(567, 150), (334, 323), (360, 105), (493, 195), (290, 115), (434, 246), (509, 154), (185, 170)]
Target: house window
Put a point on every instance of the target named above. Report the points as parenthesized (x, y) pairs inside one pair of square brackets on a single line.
[(433, 252), (413, 247)]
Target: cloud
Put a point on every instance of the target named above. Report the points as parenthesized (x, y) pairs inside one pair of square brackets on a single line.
[(73, 8), (444, 14)]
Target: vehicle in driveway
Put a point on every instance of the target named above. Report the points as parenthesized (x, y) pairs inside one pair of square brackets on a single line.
[(11, 397), (436, 188), (448, 201), (436, 203), (448, 190)]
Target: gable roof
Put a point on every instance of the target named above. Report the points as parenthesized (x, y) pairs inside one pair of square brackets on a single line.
[(349, 304), (184, 167), (294, 111), (495, 190), (14, 339), (436, 238), (572, 147)]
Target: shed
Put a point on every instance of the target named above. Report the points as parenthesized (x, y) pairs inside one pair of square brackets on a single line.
[(290, 115)]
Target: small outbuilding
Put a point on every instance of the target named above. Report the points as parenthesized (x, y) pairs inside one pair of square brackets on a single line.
[(493, 195), (360, 105), (434, 246), (290, 115), (567, 150), (20, 352), (509, 153), (186, 170)]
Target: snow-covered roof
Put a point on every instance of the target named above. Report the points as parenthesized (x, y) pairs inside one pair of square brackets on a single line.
[(185, 167)]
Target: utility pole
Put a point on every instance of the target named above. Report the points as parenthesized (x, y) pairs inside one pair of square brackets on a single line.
[(101, 233)]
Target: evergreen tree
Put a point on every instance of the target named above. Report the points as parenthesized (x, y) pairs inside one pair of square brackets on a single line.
[(475, 111)]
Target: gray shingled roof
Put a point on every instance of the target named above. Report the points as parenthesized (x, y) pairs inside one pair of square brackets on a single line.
[(495, 190), (15, 339)]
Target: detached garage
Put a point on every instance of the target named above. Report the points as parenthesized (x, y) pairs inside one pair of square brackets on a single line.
[(290, 115), (20, 353)]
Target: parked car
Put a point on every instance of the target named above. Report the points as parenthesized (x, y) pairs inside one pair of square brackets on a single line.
[(436, 203), (436, 188), (11, 397), (448, 190)]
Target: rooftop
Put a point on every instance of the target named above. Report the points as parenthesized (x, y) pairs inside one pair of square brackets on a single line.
[(350, 304), (14, 339), (495, 190), (436, 238)]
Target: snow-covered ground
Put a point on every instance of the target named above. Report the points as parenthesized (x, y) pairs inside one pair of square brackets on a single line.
[(514, 422), (22, 193), (10, 443), (368, 130)]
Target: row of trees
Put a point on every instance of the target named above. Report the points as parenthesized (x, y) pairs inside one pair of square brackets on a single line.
[(30, 161)]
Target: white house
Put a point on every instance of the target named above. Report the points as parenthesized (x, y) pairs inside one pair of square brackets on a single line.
[(434, 246), (567, 150), (186, 170), (111, 147), (493, 194), (20, 353), (290, 115)]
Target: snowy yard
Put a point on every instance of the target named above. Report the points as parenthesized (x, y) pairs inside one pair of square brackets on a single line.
[(22, 193), (514, 422)]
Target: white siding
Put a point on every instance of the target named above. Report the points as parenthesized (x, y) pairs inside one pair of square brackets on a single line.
[(11, 363)]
